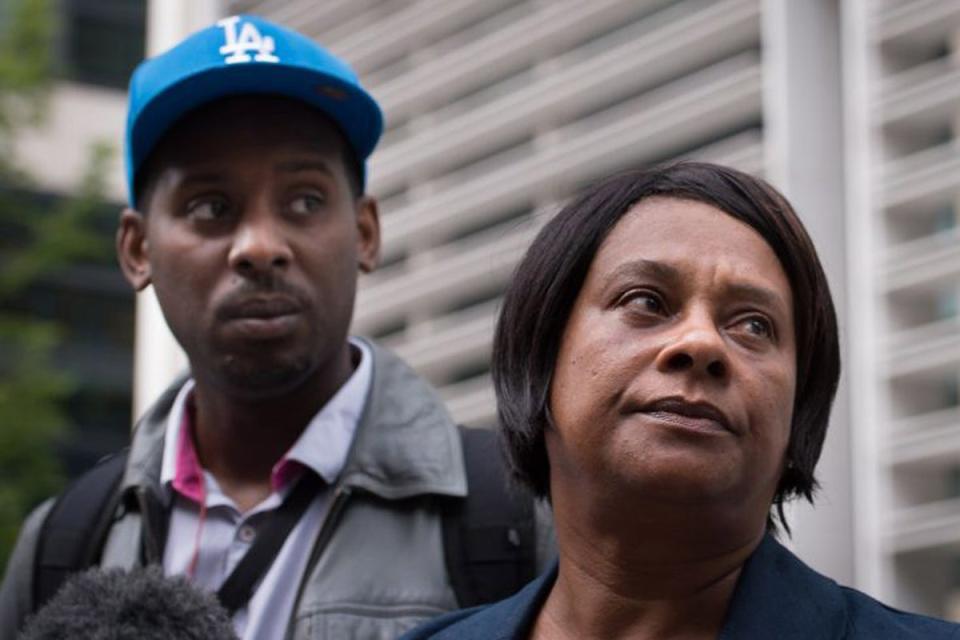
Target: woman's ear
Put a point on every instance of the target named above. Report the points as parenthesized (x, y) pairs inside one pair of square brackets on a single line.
[(132, 249)]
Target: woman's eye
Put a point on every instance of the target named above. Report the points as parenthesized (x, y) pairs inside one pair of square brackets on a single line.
[(209, 209), (644, 301), (758, 326), (306, 204)]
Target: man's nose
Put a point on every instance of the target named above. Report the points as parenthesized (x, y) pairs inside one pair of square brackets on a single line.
[(696, 346), (260, 245)]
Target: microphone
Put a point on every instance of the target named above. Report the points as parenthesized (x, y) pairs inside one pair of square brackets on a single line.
[(142, 604)]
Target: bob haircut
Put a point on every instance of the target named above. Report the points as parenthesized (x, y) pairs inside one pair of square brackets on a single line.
[(548, 279)]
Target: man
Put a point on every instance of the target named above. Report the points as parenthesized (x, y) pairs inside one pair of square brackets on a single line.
[(323, 456)]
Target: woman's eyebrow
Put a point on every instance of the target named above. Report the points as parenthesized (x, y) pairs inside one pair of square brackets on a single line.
[(757, 294), (646, 269)]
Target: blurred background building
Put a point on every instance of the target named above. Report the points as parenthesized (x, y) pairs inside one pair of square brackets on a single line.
[(498, 110)]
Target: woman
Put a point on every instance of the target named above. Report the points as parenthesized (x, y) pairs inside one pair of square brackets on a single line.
[(664, 364)]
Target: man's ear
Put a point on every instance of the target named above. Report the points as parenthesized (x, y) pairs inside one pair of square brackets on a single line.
[(132, 249), (368, 234)]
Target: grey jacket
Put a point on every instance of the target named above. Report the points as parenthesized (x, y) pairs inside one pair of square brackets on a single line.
[(377, 568)]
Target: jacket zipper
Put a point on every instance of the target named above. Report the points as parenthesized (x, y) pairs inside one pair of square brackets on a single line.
[(152, 528), (341, 495)]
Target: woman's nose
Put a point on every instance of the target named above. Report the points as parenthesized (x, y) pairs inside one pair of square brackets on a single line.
[(697, 347)]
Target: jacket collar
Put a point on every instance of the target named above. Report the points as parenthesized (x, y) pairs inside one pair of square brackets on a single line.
[(778, 591), (406, 443), (510, 619), (775, 591), (146, 450)]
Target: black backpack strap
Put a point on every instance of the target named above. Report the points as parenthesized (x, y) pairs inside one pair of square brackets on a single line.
[(489, 537), (238, 587), (73, 533)]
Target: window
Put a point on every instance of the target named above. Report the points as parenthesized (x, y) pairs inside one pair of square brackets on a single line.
[(101, 41)]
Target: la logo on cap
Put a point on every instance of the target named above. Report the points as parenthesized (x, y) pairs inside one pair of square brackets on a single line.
[(240, 45)]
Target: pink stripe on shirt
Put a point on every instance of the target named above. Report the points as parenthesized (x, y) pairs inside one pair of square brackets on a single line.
[(188, 478)]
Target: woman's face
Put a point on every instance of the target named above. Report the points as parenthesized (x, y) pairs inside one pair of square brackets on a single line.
[(676, 372)]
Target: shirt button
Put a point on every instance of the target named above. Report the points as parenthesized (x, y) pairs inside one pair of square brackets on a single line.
[(246, 534)]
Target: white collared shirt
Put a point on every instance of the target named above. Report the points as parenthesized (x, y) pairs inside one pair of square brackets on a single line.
[(215, 543)]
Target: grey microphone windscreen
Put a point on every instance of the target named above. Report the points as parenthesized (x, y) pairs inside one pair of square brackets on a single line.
[(141, 604)]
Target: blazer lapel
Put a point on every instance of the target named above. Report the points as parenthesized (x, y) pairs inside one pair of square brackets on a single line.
[(777, 596)]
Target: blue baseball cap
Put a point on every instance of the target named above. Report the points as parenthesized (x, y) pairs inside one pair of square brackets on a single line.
[(244, 55)]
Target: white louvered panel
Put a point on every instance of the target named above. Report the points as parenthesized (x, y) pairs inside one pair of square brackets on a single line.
[(928, 439), (934, 349), (461, 269), (578, 84), (643, 130), (472, 401), (930, 93), (743, 151), (316, 18), (930, 176), (924, 526), (930, 262), (450, 342), (369, 42), (911, 86), (485, 60), (917, 23)]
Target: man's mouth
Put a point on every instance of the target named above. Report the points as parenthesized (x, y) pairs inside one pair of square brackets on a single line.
[(261, 317), (261, 307)]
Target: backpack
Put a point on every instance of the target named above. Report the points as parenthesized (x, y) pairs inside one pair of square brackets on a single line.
[(489, 537)]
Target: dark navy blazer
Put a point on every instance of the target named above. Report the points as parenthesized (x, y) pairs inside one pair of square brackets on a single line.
[(777, 598)]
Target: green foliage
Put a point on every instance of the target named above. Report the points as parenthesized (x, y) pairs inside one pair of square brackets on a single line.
[(37, 241), (26, 65), (31, 422), (55, 237)]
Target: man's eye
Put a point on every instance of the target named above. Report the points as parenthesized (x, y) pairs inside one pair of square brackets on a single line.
[(211, 209), (306, 204)]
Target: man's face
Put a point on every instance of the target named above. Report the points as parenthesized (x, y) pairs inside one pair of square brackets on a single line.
[(252, 238)]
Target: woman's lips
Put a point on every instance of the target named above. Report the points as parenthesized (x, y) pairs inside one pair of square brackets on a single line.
[(696, 416), (704, 425)]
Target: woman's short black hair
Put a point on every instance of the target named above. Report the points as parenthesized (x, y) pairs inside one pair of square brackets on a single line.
[(548, 280)]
